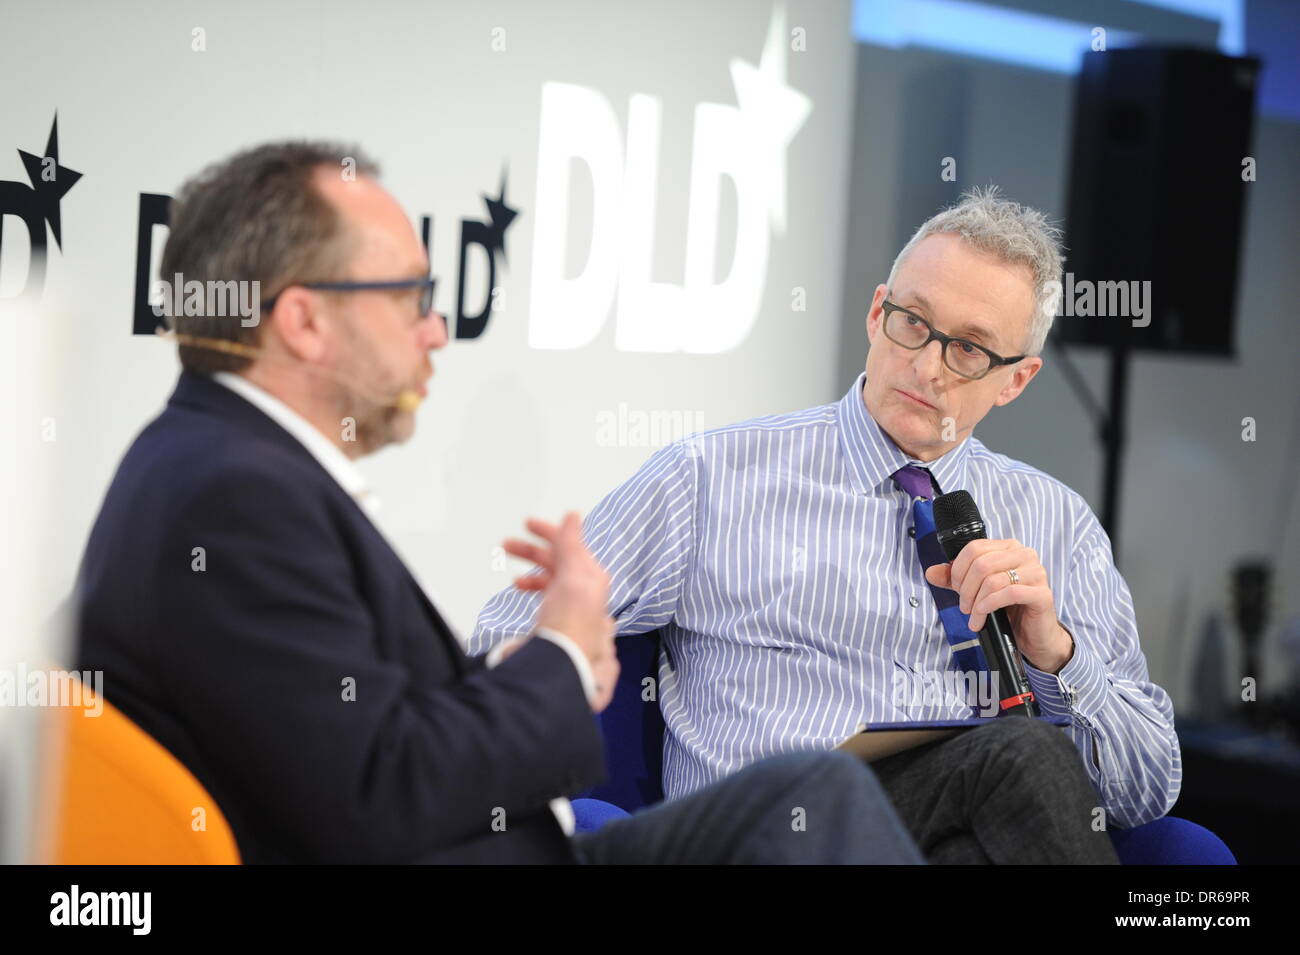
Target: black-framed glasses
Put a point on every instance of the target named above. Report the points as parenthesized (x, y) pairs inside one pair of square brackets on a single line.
[(966, 358), (427, 286)]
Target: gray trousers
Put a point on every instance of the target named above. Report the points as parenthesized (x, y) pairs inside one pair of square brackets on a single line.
[(1014, 791), (794, 808)]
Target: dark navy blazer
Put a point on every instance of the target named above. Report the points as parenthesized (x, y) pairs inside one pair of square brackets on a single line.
[(300, 672)]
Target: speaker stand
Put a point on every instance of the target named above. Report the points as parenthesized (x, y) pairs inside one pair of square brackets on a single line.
[(1110, 423)]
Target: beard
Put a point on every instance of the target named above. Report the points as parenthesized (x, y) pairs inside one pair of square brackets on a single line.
[(364, 396), (370, 425)]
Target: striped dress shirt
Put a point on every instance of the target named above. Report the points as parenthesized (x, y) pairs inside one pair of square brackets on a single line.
[(775, 556)]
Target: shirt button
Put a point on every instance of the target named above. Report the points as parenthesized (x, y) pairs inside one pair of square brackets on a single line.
[(913, 601), (911, 532)]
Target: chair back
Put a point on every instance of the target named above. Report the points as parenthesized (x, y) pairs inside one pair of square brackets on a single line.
[(633, 728), (116, 796)]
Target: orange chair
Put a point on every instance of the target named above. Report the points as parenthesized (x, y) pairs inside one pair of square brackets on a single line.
[(116, 796)]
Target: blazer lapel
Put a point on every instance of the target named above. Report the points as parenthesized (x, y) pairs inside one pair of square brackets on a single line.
[(200, 392)]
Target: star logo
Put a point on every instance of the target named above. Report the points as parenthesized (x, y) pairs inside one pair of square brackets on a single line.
[(500, 216), (489, 233), (37, 206), (50, 182), (773, 112)]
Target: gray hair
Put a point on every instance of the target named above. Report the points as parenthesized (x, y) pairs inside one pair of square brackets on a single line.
[(256, 216), (1014, 233)]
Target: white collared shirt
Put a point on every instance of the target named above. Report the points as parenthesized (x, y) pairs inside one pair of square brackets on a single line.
[(349, 477), (326, 452)]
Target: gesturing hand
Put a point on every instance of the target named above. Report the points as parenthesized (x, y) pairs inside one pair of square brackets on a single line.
[(575, 595)]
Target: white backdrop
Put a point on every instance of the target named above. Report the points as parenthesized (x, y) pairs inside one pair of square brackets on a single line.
[(711, 297)]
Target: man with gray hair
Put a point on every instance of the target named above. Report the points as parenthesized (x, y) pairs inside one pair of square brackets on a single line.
[(778, 558)]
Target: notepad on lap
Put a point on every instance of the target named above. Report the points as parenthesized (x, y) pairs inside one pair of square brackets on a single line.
[(878, 740)]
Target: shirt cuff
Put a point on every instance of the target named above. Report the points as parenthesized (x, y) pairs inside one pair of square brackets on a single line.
[(562, 809), (493, 656), (1078, 691), (580, 662)]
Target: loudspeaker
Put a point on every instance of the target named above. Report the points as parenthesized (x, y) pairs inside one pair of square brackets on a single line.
[(1158, 177)]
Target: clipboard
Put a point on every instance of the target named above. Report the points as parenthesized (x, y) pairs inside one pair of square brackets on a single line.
[(878, 740)]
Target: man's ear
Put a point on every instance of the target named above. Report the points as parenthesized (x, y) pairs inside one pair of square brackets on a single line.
[(295, 321), (1023, 374), (875, 313)]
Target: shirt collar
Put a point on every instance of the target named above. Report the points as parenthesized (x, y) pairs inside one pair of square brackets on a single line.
[(325, 451), (873, 457)]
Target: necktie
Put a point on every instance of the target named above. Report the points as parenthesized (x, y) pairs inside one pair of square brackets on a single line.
[(966, 652)]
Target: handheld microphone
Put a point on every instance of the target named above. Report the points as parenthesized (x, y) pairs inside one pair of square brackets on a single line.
[(406, 399), (957, 522)]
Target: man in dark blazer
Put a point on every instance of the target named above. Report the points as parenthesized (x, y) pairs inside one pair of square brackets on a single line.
[(247, 613)]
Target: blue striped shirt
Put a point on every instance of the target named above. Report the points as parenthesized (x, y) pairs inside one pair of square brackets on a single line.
[(775, 556)]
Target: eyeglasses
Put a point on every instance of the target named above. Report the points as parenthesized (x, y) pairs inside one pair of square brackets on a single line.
[(963, 357), (427, 287)]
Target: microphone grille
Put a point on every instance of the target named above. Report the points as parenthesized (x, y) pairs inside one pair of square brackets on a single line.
[(953, 509)]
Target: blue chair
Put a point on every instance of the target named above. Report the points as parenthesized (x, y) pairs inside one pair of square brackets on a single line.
[(634, 735)]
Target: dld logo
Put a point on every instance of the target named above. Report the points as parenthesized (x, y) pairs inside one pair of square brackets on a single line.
[(746, 143), (489, 234)]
